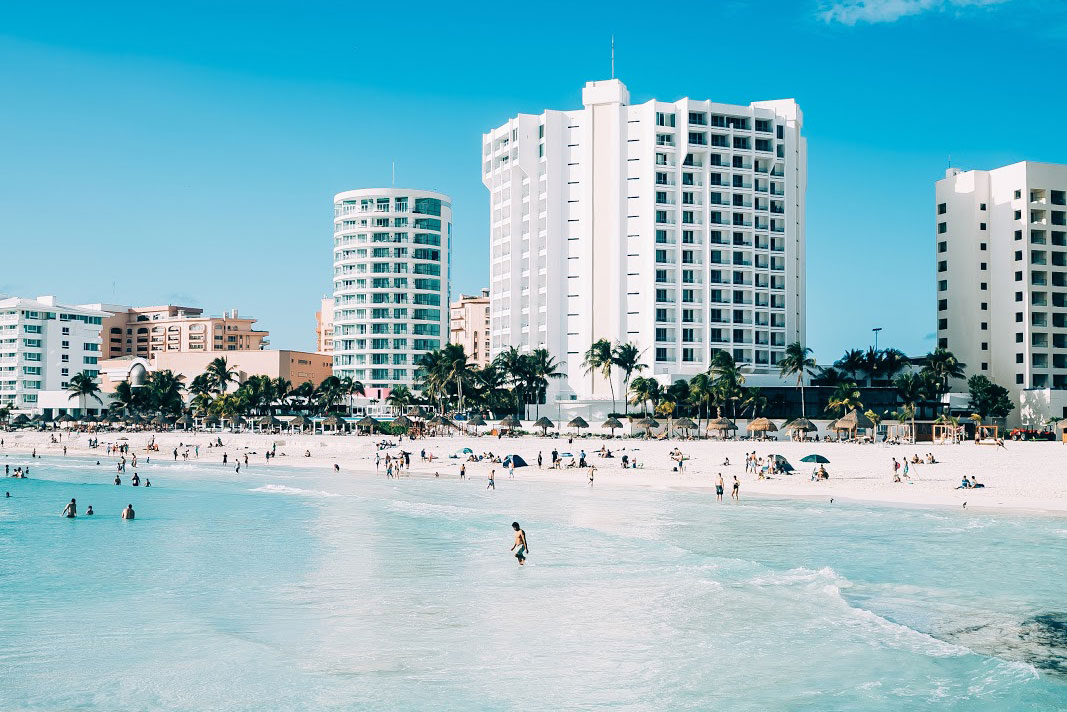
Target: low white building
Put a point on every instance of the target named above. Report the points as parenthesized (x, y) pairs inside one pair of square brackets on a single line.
[(43, 344)]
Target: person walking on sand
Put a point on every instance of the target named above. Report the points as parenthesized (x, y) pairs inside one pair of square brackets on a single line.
[(71, 510), (719, 487), (520, 544), (492, 480), (735, 494)]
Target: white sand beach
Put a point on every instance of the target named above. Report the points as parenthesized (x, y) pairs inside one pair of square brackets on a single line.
[(1020, 476)]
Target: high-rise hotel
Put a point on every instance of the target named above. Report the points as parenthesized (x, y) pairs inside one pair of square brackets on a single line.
[(678, 226), (1001, 253), (391, 283)]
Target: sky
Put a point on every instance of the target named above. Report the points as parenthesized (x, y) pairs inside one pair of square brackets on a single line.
[(189, 152)]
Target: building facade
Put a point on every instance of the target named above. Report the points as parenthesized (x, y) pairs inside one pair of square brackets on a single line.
[(43, 344), (391, 283), (469, 327), (1001, 254), (294, 366), (324, 327), (677, 226), (145, 331)]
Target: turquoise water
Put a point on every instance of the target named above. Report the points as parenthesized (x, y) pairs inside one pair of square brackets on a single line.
[(287, 590)]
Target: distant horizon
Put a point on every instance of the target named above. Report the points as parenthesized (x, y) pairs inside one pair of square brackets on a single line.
[(196, 165)]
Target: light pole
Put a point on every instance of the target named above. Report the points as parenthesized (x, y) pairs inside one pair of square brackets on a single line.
[(876, 330)]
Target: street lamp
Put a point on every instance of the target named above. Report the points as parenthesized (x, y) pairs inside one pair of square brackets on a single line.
[(876, 330)]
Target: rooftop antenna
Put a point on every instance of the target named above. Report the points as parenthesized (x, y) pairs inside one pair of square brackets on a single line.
[(950, 160), (613, 56)]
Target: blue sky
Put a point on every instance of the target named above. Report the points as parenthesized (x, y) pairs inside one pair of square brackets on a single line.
[(189, 152)]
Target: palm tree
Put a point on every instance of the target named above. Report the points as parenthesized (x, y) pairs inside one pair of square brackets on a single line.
[(5, 413), (892, 362), (851, 363), (512, 366), (644, 390), (872, 362), (941, 365), (351, 387), (125, 399), (599, 358), (726, 377), (797, 362), (163, 392), (399, 397), (541, 367), (828, 376), (627, 358), (455, 368), (283, 390), (753, 401), (82, 386), (845, 398), (911, 388), (701, 391), (329, 393), (220, 375)]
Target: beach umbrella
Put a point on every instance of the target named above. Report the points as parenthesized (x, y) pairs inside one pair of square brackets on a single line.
[(612, 423), (158, 420), (332, 421), (722, 425), (186, 421), (211, 421), (476, 421), (65, 418), (416, 411), (366, 422), (463, 451), (649, 422), (762, 425), (20, 419), (441, 420), (684, 424), (851, 421), (544, 423), (268, 421), (516, 459), (578, 423), (817, 459), (801, 424), (511, 422), (403, 422)]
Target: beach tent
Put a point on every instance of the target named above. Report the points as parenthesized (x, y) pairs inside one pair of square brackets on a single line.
[(544, 424), (612, 423), (783, 464), (519, 462), (462, 453), (578, 423)]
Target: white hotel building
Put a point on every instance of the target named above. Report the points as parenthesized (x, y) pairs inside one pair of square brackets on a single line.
[(43, 344), (391, 252), (1001, 252), (678, 226)]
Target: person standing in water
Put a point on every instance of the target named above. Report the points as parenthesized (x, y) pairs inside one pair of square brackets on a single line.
[(520, 544), (719, 487), (735, 494), (71, 510), (463, 471), (89, 511), (128, 512), (492, 480)]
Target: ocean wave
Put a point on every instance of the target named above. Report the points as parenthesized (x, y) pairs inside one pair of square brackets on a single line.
[(427, 509), (297, 491)]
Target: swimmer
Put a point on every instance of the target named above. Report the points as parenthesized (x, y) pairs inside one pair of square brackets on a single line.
[(71, 510), (128, 512), (336, 467), (148, 483), (89, 511), (118, 480), (520, 544)]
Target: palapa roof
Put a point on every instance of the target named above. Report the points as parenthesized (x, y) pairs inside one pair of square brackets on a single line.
[(762, 425), (65, 418), (299, 421), (612, 423), (476, 420), (852, 420), (684, 423), (416, 411), (721, 423), (649, 422), (511, 422), (544, 422), (402, 421), (578, 422), (801, 424), (366, 421)]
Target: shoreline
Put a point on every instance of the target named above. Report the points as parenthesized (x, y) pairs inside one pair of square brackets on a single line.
[(1028, 478)]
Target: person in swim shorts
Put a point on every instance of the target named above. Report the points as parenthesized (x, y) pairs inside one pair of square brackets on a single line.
[(520, 544), (718, 488)]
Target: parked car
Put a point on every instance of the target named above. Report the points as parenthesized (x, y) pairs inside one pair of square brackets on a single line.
[(1032, 434)]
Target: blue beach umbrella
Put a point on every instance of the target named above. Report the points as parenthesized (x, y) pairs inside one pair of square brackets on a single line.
[(818, 459)]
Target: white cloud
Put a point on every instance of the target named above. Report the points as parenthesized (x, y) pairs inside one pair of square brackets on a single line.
[(851, 12)]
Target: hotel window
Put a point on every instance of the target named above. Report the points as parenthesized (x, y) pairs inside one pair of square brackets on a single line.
[(942, 324), (981, 226), (1018, 214), (942, 304), (982, 265), (982, 246), (942, 228), (942, 247), (985, 306), (942, 285), (1018, 378), (942, 208), (1018, 194), (982, 206)]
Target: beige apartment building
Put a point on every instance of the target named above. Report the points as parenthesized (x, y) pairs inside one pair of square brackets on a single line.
[(146, 331), (294, 366), (469, 326), (324, 327)]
